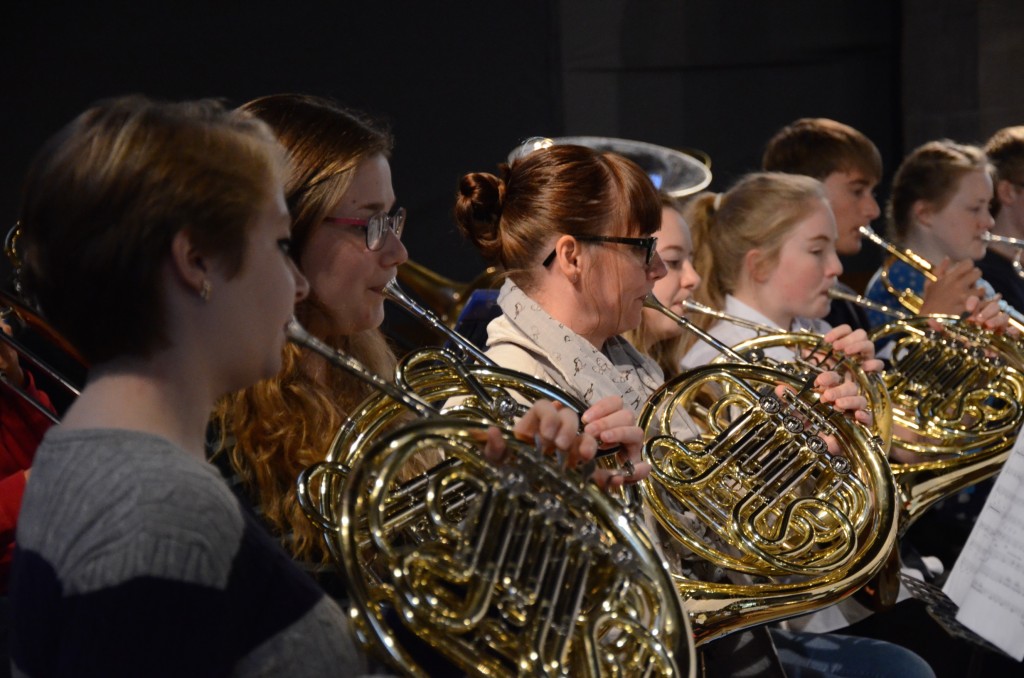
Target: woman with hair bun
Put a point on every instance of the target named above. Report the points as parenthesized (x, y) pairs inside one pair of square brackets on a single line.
[(573, 228), (346, 240)]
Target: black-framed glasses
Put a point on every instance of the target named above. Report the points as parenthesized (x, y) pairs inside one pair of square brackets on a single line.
[(377, 226), (648, 244)]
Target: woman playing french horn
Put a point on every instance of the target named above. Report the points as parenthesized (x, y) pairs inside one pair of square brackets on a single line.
[(938, 208), (346, 239), (575, 229)]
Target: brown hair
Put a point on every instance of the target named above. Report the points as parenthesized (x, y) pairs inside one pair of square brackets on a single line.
[(758, 212), (1005, 150), (560, 189), (282, 425), (818, 147), (668, 353), (105, 197), (930, 173)]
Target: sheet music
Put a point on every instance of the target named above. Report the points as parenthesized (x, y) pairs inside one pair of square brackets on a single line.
[(987, 582)]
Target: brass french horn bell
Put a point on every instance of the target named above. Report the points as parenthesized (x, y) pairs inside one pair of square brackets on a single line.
[(758, 495), (523, 568)]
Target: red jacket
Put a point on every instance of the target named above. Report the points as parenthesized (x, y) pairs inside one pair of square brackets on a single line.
[(21, 429)]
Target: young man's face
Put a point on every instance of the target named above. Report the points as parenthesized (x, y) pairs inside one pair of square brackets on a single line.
[(851, 193)]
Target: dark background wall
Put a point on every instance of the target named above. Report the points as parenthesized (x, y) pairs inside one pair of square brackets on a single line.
[(463, 82)]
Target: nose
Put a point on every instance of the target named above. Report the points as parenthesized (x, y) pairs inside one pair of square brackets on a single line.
[(393, 253), (873, 211), (656, 270), (835, 266), (301, 284), (987, 220), (689, 279)]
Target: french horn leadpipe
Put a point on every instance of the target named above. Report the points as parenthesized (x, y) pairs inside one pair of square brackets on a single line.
[(518, 568), (911, 300), (395, 293), (297, 334), (697, 307), (1003, 239)]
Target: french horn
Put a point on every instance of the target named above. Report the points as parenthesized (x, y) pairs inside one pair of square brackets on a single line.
[(522, 568), (719, 612), (910, 299), (787, 526), (956, 394)]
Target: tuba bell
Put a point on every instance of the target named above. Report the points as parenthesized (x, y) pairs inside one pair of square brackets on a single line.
[(677, 172), (524, 568)]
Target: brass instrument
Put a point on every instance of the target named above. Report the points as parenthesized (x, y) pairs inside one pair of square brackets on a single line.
[(1012, 242), (12, 305), (908, 298), (956, 394), (677, 172), (444, 296), (810, 354), (523, 568), (465, 384), (757, 494)]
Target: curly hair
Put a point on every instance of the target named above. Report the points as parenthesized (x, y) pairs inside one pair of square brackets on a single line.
[(276, 428)]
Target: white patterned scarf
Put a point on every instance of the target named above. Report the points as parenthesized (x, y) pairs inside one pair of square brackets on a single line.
[(589, 373)]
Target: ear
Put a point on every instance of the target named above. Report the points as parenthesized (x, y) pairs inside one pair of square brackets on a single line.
[(567, 257), (189, 265), (1006, 192), (754, 265), (922, 212)]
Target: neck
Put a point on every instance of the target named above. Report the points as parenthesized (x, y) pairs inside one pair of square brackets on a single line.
[(153, 396), (759, 299), (925, 247), (567, 304)]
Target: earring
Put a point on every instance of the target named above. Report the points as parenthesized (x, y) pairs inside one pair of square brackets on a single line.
[(575, 278), (205, 289)]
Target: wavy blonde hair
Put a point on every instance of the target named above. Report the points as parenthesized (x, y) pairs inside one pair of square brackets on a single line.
[(276, 428)]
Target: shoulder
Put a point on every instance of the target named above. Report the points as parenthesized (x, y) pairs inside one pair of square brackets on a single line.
[(104, 506), (507, 347)]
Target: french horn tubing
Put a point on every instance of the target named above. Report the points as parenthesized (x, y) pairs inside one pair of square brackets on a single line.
[(462, 382), (786, 526), (810, 354), (908, 298), (12, 304), (522, 568), (956, 395)]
